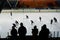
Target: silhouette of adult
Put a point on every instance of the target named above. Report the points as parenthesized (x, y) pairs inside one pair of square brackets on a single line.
[(44, 33), (35, 33), (14, 31), (51, 21), (55, 19), (22, 31)]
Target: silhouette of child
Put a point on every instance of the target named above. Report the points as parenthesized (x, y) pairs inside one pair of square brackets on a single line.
[(13, 31), (35, 31)]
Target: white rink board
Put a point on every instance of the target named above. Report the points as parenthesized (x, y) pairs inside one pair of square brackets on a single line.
[(29, 10)]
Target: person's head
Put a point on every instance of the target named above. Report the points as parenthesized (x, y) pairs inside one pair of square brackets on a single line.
[(54, 18), (44, 26), (21, 24), (13, 25), (35, 27), (16, 21)]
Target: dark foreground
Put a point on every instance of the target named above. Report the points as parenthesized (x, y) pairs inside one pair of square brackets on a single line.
[(29, 38)]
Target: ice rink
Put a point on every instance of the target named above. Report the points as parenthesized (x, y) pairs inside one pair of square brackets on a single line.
[(6, 21)]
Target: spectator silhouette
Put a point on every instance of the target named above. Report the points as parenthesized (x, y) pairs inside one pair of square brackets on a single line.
[(35, 32), (55, 19), (44, 33), (22, 31), (14, 31), (51, 21)]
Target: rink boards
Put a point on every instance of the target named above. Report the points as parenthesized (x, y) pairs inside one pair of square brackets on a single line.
[(29, 10)]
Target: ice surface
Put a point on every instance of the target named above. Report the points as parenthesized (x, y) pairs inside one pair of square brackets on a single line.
[(6, 21)]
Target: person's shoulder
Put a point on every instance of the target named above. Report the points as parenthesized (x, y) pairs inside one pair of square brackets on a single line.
[(24, 27), (19, 28), (36, 29), (47, 29), (32, 29)]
